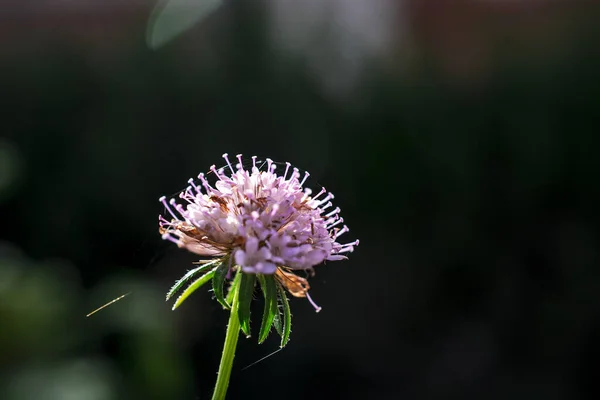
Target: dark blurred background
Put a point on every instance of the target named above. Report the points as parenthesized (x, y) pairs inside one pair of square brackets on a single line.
[(459, 137)]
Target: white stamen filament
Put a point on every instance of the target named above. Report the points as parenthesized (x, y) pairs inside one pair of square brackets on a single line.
[(205, 183), (306, 175), (163, 200), (323, 190), (341, 232), (335, 211), (170, 238), (287, 166), (329, 196), (317, 308), (191, 182), (331, 219), (339, 221), (225, 156), (326, 206)]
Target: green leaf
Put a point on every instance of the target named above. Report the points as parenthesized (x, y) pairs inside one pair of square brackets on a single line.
[(278, 323), (170, 18), (287, 316), (192, 288), (235, 283), (179, 284), (219, 281), (246, 291), (269, 288)]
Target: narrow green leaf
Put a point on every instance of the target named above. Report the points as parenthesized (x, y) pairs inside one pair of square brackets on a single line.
[(246, 291), (192, 288), (171, 18), (179, 284), (277, 322), (231, 293), (269, 288), (287, 316), (218, 282)]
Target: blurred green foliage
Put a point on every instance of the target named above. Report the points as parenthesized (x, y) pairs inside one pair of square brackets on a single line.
[(475, 202), (49, 350), (171, 18)]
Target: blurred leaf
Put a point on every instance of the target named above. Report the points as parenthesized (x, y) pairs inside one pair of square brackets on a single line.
[(219, 281), (190, 274), (246, 292), (269, 288), (287, 316), (235, 283), (89, 379), (192, 288), (171, 18)]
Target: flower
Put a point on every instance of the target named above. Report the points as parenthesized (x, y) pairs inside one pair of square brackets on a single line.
[(268, 223)]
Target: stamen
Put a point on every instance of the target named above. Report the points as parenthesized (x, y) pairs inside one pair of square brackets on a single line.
[(323, 190), (317, 308), (326, 206), (295, 174), (177, 207), (191, 182), (205, 182), (163, 200), (339, 221), (225, 156), (240, 165), (253, 162), (331, 220), (218, 173), (187, 195), (180, 209), (348, 247), (287, 166), (306, 175), (337, 210), (306, 195), (330, 196), (169, 237), (341, 232), (269, 163)]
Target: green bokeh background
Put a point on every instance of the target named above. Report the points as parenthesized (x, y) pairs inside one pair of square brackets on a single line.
[(474, 196)]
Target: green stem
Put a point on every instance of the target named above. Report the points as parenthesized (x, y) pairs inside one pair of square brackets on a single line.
[(231, 339)]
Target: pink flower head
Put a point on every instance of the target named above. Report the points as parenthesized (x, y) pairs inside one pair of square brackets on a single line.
[(267, 222)]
